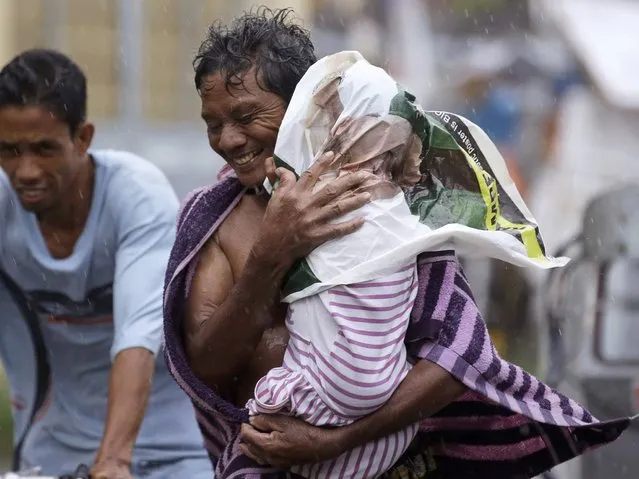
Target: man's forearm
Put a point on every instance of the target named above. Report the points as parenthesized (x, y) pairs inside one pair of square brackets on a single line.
[(426, 389), (129, 388), (228, 336)]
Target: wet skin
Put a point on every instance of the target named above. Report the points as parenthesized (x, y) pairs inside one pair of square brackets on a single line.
[(242, 126)]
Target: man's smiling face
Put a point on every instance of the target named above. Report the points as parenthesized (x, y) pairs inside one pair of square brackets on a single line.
[(242, 122)]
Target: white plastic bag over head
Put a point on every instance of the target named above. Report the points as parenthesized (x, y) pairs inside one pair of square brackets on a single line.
[(437, 181)]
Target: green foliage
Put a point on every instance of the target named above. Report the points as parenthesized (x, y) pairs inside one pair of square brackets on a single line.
[(5, 423)]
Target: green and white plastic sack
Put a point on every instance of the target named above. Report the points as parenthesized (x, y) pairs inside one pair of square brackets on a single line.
[(442, 182)]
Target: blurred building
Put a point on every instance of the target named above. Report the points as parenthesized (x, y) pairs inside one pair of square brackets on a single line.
[(136, 53), (485, 18)]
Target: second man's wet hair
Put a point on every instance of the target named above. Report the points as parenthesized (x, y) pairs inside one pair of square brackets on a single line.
[(49, 79)]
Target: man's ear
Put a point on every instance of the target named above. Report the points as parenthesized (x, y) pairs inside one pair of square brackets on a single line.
[(84, 137)]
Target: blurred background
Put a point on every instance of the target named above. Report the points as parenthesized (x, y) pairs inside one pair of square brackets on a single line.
[(553, 83)]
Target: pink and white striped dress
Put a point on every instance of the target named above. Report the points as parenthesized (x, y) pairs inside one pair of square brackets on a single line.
[(345, 358)]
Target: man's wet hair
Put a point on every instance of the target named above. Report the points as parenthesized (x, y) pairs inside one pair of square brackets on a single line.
[(49, 79), (280, 50)]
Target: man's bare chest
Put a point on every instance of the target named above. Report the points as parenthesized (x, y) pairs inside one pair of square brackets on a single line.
[(236, 237)]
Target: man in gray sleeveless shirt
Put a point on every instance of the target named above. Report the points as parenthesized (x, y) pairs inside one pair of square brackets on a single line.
[(84, 241)]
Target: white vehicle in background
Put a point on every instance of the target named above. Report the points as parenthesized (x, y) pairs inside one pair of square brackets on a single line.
[(589, 191), (592, 308)]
